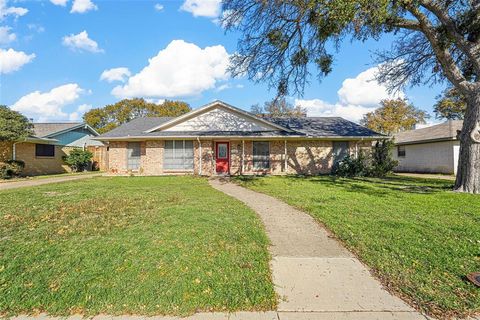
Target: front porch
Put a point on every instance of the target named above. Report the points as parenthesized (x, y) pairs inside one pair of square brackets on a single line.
[(228, 156)]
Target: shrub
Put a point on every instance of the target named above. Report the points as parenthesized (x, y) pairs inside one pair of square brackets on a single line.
[(382, 162), (78, 159), (11, 168), (377, 164), (352, 166)]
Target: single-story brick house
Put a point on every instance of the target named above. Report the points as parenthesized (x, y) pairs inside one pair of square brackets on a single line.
[(221, 139), (433, 149), (43, 152)]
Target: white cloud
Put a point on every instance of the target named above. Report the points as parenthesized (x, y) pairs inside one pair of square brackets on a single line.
[(156, 101), (320, 108), (115, 74), (5, 10), (5, 35), (48, 105), (36, 27), (203, 8), (82, 6), (158, 7), (222, 87), (356, 97), (11, 60), (181, 69), (81, 42), (77, 115), (226, 86), (62, 3), (364, 90)]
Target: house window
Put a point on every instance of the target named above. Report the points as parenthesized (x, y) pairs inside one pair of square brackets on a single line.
[(44, 150), (261, 155), (133, 156), (401, 151), (178, 155), (340, 151)]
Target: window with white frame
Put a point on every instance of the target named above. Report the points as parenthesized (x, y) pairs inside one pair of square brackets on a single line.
[(401, 151), (261, 155), (178, 155)]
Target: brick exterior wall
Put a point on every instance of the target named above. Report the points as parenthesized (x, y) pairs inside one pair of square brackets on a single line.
[(152, 161), (309, 157), (208, 164), (117, 157), (303, 157), (41, 165)]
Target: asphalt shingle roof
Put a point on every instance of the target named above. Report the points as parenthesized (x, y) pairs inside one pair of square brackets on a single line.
[(136, 127), (43, 130), (324, 126), (308, 127), (444, 131)]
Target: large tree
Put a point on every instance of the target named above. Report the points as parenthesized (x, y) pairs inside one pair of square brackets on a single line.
[(112, 115), (13, 125), (451, 105), (278, 107), (394, 116), (438, 40)]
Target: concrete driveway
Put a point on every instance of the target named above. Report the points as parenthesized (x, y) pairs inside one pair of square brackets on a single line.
[(41, 181)]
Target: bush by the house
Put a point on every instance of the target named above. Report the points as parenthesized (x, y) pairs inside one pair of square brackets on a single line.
[(352, 167), (382, 162), (78, 159), (11, 169), (377, 164)]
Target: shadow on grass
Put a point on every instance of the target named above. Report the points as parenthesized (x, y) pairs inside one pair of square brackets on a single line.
[(369, 186)]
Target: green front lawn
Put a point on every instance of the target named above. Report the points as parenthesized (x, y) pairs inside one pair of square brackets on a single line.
[(420, 238), (159, 245)]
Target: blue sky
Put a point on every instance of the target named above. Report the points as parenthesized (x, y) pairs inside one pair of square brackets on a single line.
[(53, 54)]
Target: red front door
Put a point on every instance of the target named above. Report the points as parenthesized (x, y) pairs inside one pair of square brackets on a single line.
[(222, 151)]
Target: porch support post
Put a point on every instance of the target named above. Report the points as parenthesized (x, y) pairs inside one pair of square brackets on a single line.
[(356, 149), (243, 156), (286, 162), (200, 155)]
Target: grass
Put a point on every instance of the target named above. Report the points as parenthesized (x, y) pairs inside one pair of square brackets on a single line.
[(131, 245), (420, 238)]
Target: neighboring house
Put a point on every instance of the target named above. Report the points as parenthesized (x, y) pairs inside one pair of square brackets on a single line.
[(43, 152), (433, 149), (221, 139)]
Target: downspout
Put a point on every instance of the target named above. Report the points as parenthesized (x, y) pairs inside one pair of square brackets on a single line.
[(286, 161), (200, 156), (14, 151)]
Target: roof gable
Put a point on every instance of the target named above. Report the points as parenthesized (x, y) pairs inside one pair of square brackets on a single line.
[(218, 116), (48, 130)]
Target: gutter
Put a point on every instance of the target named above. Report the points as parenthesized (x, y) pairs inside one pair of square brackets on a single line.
[(425, 141), (340, 138)]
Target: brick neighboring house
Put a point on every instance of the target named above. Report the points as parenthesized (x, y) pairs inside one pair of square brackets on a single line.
[(433, 149), (221, 139), (43, 152)]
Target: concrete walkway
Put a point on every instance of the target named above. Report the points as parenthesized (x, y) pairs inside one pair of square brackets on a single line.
[(39, 182), (314, 275)]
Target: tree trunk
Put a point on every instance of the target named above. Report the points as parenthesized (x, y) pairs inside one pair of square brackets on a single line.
[(468, 172)]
